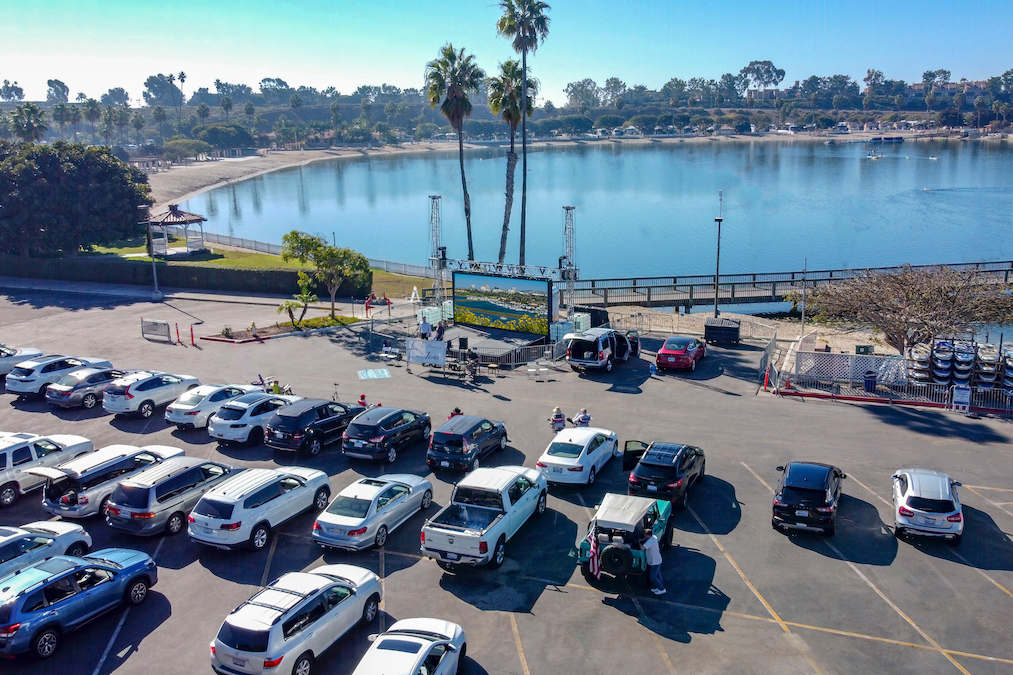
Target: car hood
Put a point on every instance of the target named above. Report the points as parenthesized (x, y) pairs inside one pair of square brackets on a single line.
[(53, 527), (69, 440), (357, 575), (120, 556), (439, 626), (305, 473)]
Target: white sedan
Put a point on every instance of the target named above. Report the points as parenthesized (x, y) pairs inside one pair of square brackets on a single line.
[(243, 420), (577, 455), (413, 646), (193, 409), (12, 356), (22, 546)]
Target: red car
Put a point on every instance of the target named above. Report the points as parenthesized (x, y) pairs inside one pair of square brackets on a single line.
[(681, 352)]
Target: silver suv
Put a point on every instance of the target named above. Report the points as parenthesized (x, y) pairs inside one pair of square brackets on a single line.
[(33, 377), (158, 498), (21, 452), (601, 347), (286, 626), (141, 392), (925, 503)]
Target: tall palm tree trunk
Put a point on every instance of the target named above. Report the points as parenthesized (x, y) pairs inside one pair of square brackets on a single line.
[(464, 186), (511, 168), (524, 152)]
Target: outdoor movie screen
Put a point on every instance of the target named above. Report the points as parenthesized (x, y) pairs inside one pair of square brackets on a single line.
[(523, 305)]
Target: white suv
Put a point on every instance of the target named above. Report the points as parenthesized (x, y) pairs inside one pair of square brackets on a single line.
[(926, 503), (244, 419), (246, 508), (142, 391), (31, 543), (193, 409), (20, 452), (289, 624), (32, 377)]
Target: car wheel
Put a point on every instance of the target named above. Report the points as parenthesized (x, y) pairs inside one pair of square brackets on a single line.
[(427, 500), (460, 657), (703, 471), (137, 592), (590, 476), (683, 501), (371, 609), (320, 499), (146, 409), (608, 365), (540, 508), (314, 446), (260, 537), (502, 442), (575, 369), (303, 665), (499, 553), (89, 401), (474, 464), (585, 569), (692, 365), (8, 494), (256, 437), (43, 389), (102, 507), (392, 454), (175, 524), (381, 536), (616, 559), (77, 549), (45, 643)]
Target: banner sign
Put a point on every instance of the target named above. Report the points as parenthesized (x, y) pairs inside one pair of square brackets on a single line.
[(430, 352)]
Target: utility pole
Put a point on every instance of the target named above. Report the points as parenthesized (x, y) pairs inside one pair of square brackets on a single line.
[(145, 212), (717, 265), (805, 266)]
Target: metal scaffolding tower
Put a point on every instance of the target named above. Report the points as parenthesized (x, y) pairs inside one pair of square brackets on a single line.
[(568, 261), (438, 256)]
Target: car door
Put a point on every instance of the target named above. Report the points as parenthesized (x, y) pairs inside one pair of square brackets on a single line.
[(296, 496), (170, 388), (524, 499), (23, 457), (98, 590), (332, 421), (487, 440), (403, 509), (402, 429), (596, 453), (270, 503), (632, 452), (63, 599), (438, 661), (306, 631), (342, 610)]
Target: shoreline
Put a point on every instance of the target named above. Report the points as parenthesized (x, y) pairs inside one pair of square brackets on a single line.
[(182, 183)]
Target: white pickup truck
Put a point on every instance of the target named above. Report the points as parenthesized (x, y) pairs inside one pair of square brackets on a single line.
[(488, 506)]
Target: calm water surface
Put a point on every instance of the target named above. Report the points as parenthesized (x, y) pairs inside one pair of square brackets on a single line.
[(650, 209)]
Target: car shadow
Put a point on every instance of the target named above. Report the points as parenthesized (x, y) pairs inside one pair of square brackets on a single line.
[(693, 603), (931, 422), (29, 403), (78, 413), (193, 436), (249, 453), (861, 537), (715, 503), (528, 569), (242, 565), (144, 620), (984, 545), (131, 424)]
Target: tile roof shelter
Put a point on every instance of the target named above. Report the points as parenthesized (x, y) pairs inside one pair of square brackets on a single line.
[(173, 221)]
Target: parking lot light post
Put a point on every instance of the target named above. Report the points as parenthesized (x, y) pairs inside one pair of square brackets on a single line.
[(717, 264), (145, 211)]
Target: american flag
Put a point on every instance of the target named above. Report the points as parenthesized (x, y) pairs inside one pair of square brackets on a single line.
[(593, 564)]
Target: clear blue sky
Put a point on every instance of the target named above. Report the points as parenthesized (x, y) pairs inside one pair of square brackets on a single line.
[(93, 45)]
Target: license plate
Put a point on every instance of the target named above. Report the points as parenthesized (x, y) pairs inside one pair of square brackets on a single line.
[(239, 662), (802, 514), (652, 488), (278, 435), (334, 530), (357, 444), (557, 469), (205, 530), (670, 359), (452, 556), (928, 521), (444, 463)]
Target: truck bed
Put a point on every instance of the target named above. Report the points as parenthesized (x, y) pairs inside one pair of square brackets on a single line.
[(465, 518)]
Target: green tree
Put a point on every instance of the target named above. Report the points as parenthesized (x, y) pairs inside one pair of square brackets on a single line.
[(117, 96), (185, 148), (980, 106), (1001, 109), (203, 112), (61, 115), (158, 116), (108, 124), (226, 136), (137, 121), (333, 265), (451, 78), (29, 123), (301, 301), (161, 90), (504, 100), (11, 92), (76, 115), (898, 101), (122, 122), (336, 116), (58, 92), (226, 104), (526, 24), (838, 102), (250, 109)]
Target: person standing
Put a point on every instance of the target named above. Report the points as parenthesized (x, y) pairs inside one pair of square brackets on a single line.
[(425, 329), (441, 328), (652, 547)]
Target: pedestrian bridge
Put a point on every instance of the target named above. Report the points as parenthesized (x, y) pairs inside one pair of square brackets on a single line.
[(737, 289)]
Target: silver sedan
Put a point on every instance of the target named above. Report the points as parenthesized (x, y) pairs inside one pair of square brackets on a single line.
[(365, 512), (83, 387)]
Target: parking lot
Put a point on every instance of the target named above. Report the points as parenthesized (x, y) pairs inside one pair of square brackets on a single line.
[(742, 598)]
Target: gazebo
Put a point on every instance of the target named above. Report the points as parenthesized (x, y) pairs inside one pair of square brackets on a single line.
[(176, 222)]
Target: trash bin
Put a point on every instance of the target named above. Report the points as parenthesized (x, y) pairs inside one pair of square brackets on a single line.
[(462, 343), (864, 349), (870, 381)]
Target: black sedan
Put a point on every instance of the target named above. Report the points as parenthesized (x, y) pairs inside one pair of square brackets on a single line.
[(380, 432), (663, 470), (308, 425), (807, 497)]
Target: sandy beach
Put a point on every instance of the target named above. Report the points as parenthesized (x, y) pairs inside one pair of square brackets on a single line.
[(184, 181)]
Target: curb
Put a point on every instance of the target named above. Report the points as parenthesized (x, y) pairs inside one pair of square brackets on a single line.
[(312, 331)]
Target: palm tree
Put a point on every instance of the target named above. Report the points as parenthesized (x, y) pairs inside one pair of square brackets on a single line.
[(76, 115), (182, 98), (158, 116), (29, 123), (226, 104), (505, 100), (203, 112), (336, 116), (137, 121), (61, 115), (92, 113), (452, 77), (525, 22), (172, 92)]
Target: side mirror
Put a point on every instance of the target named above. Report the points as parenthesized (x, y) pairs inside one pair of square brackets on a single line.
[(451, 648), (372, 637), (895, 476), (843, 476), (780, 468), (956, 483)]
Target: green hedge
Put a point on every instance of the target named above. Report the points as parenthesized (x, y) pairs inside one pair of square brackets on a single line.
[(172, 275)]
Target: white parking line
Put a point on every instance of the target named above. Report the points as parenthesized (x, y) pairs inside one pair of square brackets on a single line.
[(119, 626), (270, 557), (383, 592)]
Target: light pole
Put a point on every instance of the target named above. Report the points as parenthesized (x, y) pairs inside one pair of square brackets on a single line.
[(144, 209), (717, 264)]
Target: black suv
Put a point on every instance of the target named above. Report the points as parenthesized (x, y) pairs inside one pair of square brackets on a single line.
[(807, 496), (309, 424), (463, 440), (663, 470), (379, 432)]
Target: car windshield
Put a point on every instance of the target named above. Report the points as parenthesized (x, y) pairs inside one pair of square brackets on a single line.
[(70, 380), (360, 429), (400, 646), (190, 398), (652, 470), (677, 344), (243, 639), (451, 440), (931, 505), (478, 497), (289, 423), (349, 506), (794, 495), (228, 413), (212, 508), (131, 496), (118, 388), (568, 450), (6, 351), (22, 372)]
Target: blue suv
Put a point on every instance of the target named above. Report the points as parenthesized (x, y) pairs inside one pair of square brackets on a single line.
[(43, 602)]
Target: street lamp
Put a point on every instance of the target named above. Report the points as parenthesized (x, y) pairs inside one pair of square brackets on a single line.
[(145, 211), (717, 264)]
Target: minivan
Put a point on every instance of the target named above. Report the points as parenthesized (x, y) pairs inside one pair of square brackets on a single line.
[(158, 498), (81, 487)]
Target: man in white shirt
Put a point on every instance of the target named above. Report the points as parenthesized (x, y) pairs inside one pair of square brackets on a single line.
[(652, 547), (425, 329)]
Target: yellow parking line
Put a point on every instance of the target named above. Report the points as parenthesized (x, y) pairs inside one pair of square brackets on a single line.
[(654, 636), (757, 476), (777, 618), (995, 504), (871, 491), (520, 647), (982, 487)]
